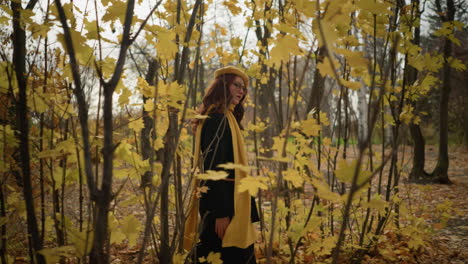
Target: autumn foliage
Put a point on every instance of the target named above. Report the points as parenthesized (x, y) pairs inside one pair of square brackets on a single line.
[(98, 98)]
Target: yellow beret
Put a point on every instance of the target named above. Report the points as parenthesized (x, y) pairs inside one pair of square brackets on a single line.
[(233, 70)]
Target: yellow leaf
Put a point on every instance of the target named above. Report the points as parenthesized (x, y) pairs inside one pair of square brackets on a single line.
[(214, 258), (149, 105), (351, 85), (158, 143), (456, 64), (325, 68), (53, 255), (213, 175), (145, 89), (91, 27), (285, 28), (131, 227), (345, 172), (406, 115), (176, 95), (354, 58), (377, 203), (39, 30), (433, 63), (39, 101), (310, 127), (259, 127), (84, 53), (107, 66), (236, 42), (253, 184), (233, 6), (115, 11), (82, 241), (200, 116), (324, 119), (293, 177), (116, 236), (324, 192), (286, 45), (137, 125), (232, 166), (179, 258), (166, 48), (373, 6)]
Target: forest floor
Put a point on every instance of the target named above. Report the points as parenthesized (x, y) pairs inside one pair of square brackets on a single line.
[(443, 207), (449, 242)]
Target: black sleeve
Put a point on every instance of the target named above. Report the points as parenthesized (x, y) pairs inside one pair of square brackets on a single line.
[(216, 147)]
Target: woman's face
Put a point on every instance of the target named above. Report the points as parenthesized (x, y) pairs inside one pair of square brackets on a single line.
[(237, 89)]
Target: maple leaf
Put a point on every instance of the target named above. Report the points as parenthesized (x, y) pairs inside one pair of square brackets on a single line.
[(232, 166), (286, 46), (323, 191), (310, 127), (233, 6), (259, 127), (325, 68), (294, 177), (149, 105), (124, 97), (214, 258), (137, 125), (165, 46), (200, 116), (253, 184), (116, 10), (456, 64), (345, 172), (131, 227), (213, 175)]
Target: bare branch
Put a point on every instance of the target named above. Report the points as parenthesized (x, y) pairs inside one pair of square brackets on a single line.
[(82, 105), (126, 42), (143, 24)]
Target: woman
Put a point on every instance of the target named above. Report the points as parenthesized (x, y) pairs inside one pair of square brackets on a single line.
[(226, 214)]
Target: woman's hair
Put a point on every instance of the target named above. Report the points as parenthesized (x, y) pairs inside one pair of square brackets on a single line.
[(218, 97)]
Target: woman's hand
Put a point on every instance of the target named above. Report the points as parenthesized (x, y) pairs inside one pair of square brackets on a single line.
[(221, 225)]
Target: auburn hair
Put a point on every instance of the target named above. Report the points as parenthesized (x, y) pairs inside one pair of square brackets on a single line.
[(218, 97)]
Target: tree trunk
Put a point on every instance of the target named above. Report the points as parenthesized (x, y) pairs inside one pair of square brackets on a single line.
[(19, 61), (417, 174), (440, 174), (465, 115), (3, 242), (171, 140), (363, 122), (265, 94), (147, 150), (316, 93)]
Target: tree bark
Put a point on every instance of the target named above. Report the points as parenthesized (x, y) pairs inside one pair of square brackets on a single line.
[(417, 173), (19, 61), (265, 94), (171, 139), (440, 174), (316, 93), (147, 150), (465, 115)]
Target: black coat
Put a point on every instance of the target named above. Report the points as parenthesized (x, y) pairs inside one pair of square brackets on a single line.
[(216, 148), (218, 201)]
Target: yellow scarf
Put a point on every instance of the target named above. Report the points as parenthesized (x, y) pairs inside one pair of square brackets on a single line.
[(240, 232)]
